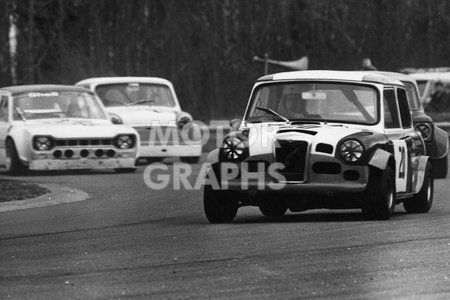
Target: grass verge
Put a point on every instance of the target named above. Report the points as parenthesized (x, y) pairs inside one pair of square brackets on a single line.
[(11, 190)]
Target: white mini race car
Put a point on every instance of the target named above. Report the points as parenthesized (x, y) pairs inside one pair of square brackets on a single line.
[(57, 127), (150, 105), (321, 139)]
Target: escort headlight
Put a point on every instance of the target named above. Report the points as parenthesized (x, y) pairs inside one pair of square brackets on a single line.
[(42, 143), (425, 130), (351, 151), (125, 141), (234, 148)]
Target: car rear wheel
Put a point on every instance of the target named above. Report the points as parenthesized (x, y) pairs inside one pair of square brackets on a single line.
[(440, 167), (271, 207), (379, 197), (13, 164), (219, 206), (422, 201), (190, 159)]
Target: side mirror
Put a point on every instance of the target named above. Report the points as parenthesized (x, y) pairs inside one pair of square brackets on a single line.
[(115, 119), (235, 123)]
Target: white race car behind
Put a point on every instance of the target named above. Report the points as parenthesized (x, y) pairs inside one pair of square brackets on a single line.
[(150, 105)]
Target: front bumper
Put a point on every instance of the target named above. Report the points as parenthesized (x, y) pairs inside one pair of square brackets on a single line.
[(82, 163), (71, 158), (349, 179)]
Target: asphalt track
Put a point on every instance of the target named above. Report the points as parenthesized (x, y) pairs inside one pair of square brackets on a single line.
[(129, 241)]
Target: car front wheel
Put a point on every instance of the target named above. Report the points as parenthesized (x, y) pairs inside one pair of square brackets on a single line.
[(13, 164), (422, 201), (379, 197), (272, 207), (220, 206)]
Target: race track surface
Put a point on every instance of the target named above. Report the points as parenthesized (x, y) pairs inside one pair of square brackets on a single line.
[(128, 241)]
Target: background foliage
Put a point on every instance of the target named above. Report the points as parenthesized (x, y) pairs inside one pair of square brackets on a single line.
[(205, 47)]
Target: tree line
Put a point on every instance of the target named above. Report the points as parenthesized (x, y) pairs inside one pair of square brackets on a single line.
[(205, 47)]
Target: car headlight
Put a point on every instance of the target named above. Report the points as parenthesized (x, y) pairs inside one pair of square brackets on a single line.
[(351, 151), (125, 141), (234, 149), (183, 119), (42, 143), (425, 130)]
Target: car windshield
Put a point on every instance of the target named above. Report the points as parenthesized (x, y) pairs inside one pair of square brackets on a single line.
[(314, 101), (56, 104), (130, 94)]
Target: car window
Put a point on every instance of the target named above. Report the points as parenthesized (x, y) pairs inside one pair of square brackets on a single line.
[(391, 118), (405, 113), (413, 98), (129, 94), (421, 84), (4, 109), (57, 104), (319, 101)]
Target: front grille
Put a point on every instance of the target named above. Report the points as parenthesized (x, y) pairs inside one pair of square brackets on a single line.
[(159, 136), (292, 154), (83, 142)]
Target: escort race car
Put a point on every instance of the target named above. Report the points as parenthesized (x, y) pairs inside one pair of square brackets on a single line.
[(150, 105), (56, 127), (321, 139)]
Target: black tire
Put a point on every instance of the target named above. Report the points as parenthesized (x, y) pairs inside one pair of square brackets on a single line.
[(379, 197), (219, 206), (271, 207), (15, 166), (125, 170), (190, 159), (154, 160), (422, 201), (440, 167)]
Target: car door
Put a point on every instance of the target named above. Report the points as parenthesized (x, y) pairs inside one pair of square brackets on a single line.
[(396, 128), (4, 125)]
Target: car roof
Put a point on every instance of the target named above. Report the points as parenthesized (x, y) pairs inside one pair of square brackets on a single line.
[(431, 76), (126, 79), (398, 76), (357, 76), (19, 89)]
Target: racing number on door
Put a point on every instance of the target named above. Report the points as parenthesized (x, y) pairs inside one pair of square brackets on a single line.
[(402, 165)]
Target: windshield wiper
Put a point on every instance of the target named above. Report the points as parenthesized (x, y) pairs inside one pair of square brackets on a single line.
[(272, 112), (141, 102), (21, 113)]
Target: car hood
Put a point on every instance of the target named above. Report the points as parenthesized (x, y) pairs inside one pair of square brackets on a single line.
[(262, 139), (74, 128), (144, 115)]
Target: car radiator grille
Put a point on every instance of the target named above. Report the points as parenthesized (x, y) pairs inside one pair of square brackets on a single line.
[(159, 136), (292, 154), (83, 142)]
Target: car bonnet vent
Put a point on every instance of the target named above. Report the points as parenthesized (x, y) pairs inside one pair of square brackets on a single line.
[(297, 130)]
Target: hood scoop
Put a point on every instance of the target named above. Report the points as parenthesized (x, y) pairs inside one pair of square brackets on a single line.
[(299, 130)]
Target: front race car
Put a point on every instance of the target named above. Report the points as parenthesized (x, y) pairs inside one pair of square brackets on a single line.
[(320, 142)]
